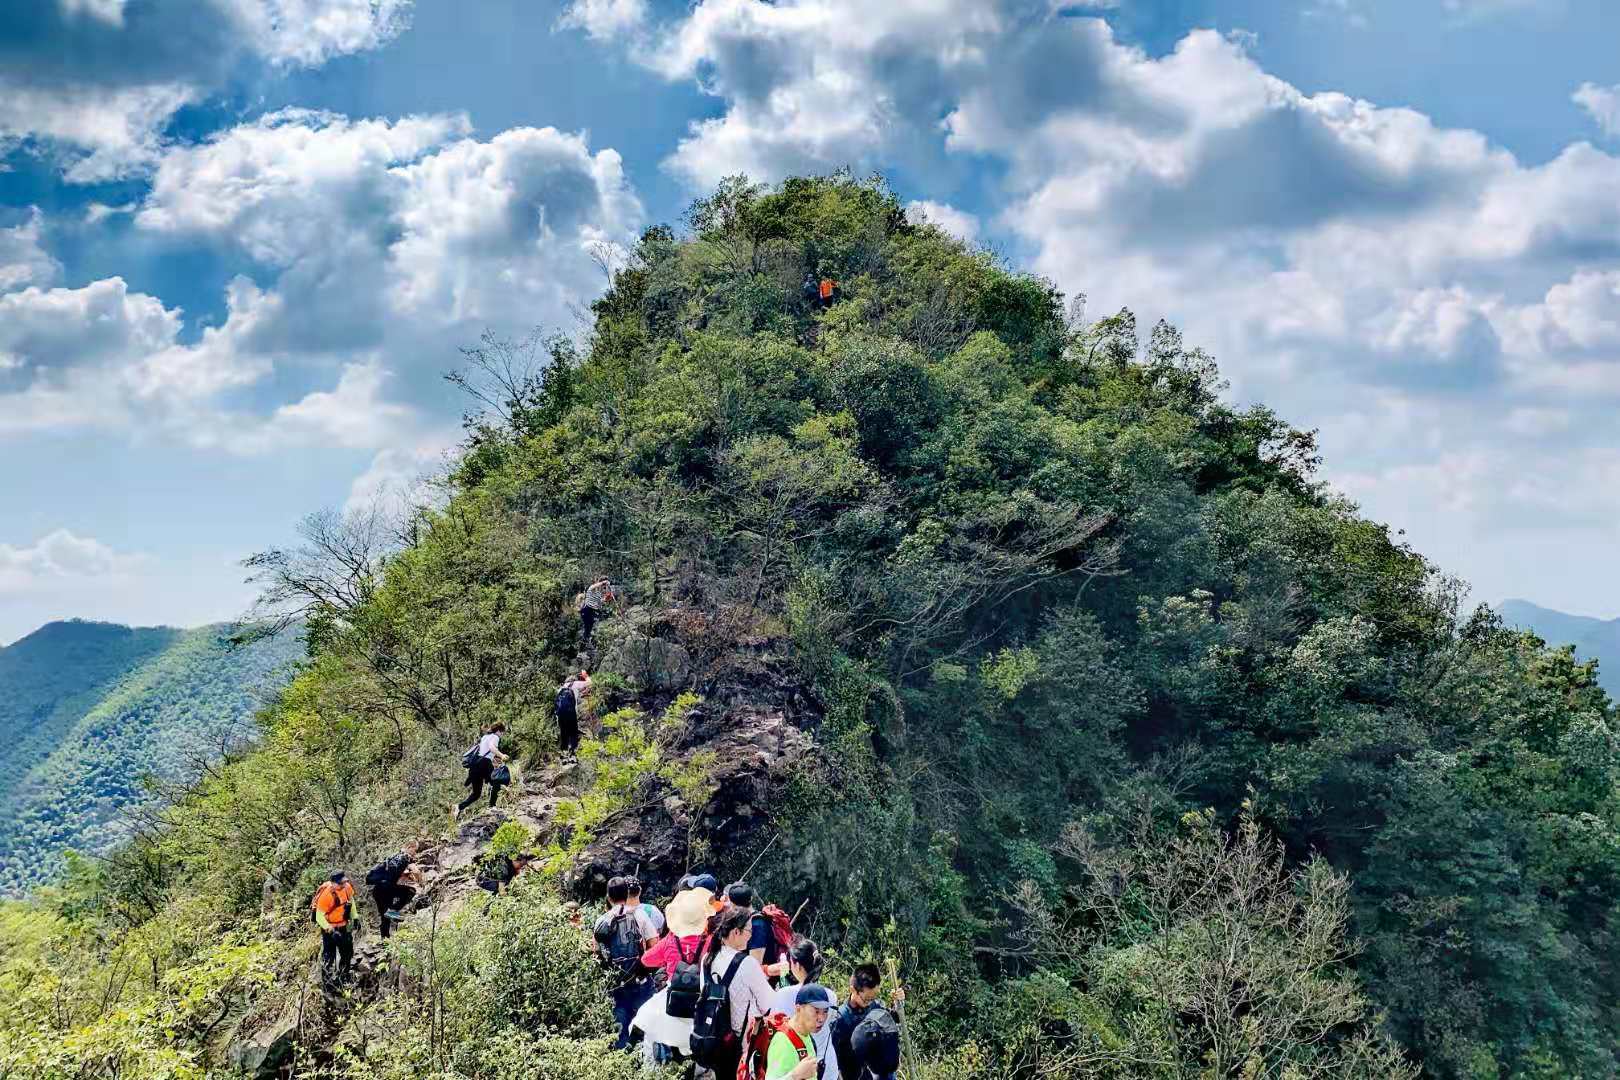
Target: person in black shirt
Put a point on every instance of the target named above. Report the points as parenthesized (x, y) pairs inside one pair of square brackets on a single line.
[(864, 985), (389, 888)]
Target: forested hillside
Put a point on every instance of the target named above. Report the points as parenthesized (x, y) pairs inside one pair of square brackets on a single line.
[(1594, 639), (92, 714), (992, 637)]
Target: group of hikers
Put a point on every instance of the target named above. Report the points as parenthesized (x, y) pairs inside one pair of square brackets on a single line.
[(715, 978), (722, 982)]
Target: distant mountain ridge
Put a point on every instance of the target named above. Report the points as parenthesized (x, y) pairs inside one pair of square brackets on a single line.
[(1594, 639), (89, 710)]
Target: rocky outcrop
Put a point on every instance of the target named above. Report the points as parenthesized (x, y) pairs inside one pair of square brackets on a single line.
[(649, 662)]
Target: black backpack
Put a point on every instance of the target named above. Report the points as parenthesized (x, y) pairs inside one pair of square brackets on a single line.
[(685, 984), (565, 698), (712, 1037), (387, 872), (876, 1044), (618, 945), (470, 758)]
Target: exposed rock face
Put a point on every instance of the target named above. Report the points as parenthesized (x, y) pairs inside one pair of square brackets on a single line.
[(755, 719), (262, 1052), (649, 662)]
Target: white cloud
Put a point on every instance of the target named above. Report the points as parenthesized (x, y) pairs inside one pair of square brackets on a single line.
[(22, 260), (959, 223), (97, 81), (383, 246), (57, 557), (400, 477), (605, 20), (1602, 103)]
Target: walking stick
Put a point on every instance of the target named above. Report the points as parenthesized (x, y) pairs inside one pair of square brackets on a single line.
[(900, 1014)]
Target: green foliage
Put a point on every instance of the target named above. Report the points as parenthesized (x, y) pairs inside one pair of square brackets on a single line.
[(131, 712), (1048, 594)]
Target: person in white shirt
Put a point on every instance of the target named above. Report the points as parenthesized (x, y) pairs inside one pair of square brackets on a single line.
[(487, 755), (750, 990)]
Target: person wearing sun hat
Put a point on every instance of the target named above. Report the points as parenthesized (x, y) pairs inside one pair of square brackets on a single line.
[(687, 917)]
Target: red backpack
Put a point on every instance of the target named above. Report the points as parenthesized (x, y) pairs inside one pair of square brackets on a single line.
[(781, 927), (752, 1066)]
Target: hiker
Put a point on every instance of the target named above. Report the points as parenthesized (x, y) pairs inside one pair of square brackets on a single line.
[(654, 916), (864, 985), (875, 1046), (804, 964), (481, 762), (389, 889), (734, 990), (596, 603), (496, 870), (698, 881), (826, 291), (569, 696), (665, 1021), (791, 1053), (810, 289), (764, 944), (334, 914), (622, 934)]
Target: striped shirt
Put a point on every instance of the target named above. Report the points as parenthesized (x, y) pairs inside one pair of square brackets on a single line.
[(597, 596)]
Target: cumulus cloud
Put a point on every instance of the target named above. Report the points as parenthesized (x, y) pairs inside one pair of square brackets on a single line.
[(605, 20), (60, 557), (380, 247), (96, 82)]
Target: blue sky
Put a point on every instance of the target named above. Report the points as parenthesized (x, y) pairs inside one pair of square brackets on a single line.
[(241, 240)]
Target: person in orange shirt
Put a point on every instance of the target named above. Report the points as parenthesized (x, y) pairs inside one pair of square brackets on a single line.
[(334, 914)]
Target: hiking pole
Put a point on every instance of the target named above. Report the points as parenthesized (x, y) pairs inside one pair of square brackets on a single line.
[(906, 1068), (774, 838)]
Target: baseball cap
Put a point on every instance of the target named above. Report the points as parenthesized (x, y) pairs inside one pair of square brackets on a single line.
[(814, 994)]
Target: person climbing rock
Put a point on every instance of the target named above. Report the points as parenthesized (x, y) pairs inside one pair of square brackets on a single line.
[(864, 986), (622, 934), (481, 762), (334, 914), (791, 1054), (569, 697), (496, 870), (392, 884), (596, 604)]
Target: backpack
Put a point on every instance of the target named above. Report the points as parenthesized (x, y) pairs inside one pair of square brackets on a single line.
[(876, 1043), (685, 984), (565, 699), (387, 872), (618, 945), (779, 1024), (781, 927), (712, 1037), (470, 758)]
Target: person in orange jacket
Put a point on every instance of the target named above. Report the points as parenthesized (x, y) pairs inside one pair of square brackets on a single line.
[(334, 914)]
